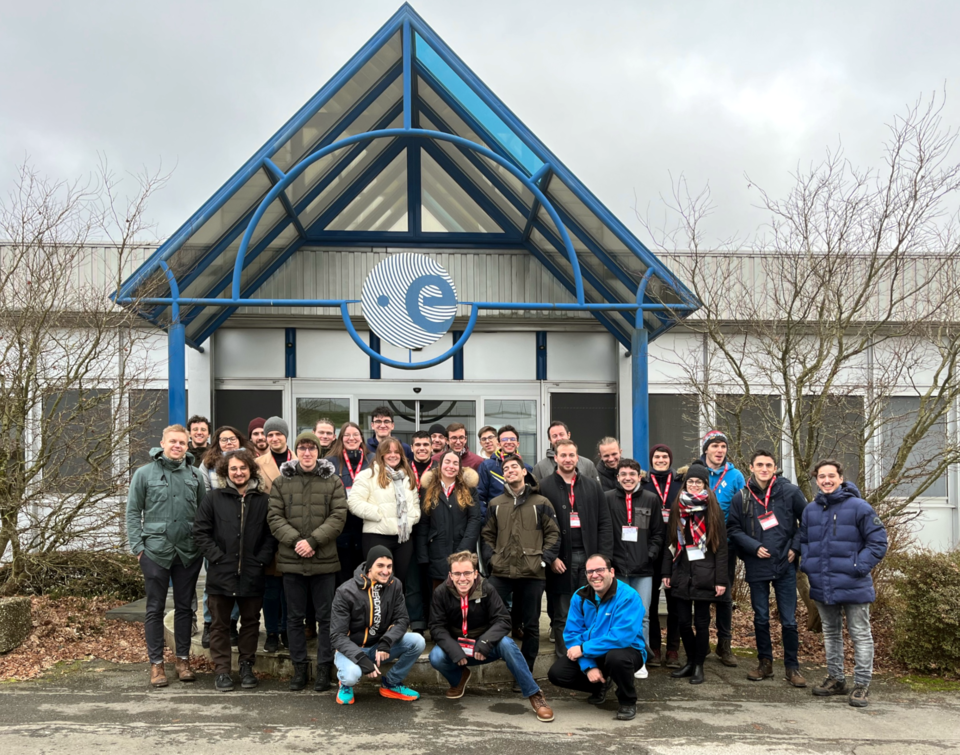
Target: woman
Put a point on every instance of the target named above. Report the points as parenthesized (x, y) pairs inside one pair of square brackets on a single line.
[(350, 458), (225, 439), (695, 565), (231, 531), (385, 498)]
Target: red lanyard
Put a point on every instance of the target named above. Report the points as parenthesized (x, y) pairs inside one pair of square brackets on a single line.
[(766, 499), (629, 509), (663, 494), (351, 470), (416, 474), (572, 496), (724, 474), (464, 606), (448, 490)]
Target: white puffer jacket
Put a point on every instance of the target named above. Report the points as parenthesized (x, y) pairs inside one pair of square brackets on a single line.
[(377, 506)]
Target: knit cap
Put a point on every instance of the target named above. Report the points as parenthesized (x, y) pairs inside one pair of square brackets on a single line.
[(276, 424), (714, 436)]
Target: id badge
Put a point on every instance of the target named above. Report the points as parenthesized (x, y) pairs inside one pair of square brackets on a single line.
[(467, 645), (666, 515), (768, 520), (575, 520), (630, 534), (694, 553)]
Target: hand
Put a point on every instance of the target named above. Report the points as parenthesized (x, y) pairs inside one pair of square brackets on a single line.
[(463, 661), (763, 552), (791, 556), (721, 590), (478, 655), (666, 583), (595, 675), (558, 566), (303, 549), (575, 652), (382, 656), (141, 553), (374, 674)]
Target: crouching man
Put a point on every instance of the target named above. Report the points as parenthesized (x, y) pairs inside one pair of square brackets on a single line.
[(604, 639), (369, 627), (471, 627)]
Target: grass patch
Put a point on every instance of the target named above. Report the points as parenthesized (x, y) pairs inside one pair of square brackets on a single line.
[(930, 683)]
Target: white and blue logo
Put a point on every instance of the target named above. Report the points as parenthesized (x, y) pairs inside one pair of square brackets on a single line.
[(409, 300)]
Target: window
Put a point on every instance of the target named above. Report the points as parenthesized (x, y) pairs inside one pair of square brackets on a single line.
[(447, 412), (590, 417), (522, 415), (675, 422), (309, 410), (404, 417), (148, 417), (840, 435), (78, 435), (750, 422), (236, 408), (900, 413)]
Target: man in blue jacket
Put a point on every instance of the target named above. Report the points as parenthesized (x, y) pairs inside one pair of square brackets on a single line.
[(604, 639), (841, 540), (764, 524)]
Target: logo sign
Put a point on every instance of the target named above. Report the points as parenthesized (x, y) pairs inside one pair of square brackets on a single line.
[(409, 300)]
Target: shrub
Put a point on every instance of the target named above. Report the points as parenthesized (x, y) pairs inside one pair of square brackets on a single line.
[(82, 574), (927, 607)]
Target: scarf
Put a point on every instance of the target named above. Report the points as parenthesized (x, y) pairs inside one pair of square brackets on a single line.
[(403, 526), (693, 508)]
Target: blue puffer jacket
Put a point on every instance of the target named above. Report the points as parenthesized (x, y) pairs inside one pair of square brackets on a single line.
[(731, 482), (841, 540)]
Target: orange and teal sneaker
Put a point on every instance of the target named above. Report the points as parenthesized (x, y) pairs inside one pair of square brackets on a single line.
[(345, 695), (399, 692)]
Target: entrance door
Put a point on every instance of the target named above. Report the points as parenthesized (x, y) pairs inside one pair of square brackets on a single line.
[(590, 417)]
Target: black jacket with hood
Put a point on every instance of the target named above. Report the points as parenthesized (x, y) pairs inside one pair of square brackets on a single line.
[(446, 528), (488, 620), (642, 558)]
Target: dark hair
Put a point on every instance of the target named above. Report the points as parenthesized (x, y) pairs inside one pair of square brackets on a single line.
[(508, 429), (606, 559), (714, 521), (223, 465), (557, 423), (421, 434), (213, 454), (630, 464), (198, 418), (826, 463), (512, 457), (483, 429), (454, 426), (762, 452), (381, 411), (431, 496), (336, 448)]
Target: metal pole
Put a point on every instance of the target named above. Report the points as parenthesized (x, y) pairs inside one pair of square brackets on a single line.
[(176, 356), (640, 384)]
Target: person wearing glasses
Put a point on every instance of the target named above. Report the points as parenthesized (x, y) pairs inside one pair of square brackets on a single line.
[(457, 442), (604, 639), (381, 422), (308, 510), (491, 471), (487, 436), (349, 455)]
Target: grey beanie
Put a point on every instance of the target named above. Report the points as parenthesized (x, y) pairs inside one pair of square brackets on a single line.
[(276, 424)]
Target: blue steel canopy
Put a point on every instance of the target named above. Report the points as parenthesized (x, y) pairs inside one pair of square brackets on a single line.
[(333, 181)]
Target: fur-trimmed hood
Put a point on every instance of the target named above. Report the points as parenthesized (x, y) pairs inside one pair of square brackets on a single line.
[(323, 469), (470, 478)]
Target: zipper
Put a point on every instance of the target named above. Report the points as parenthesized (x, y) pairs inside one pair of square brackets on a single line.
[(242, 520), (834, 525)]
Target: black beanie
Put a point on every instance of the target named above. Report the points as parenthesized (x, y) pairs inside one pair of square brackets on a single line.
[(377, 551), (698, 472), (438, 428), (663, 448)]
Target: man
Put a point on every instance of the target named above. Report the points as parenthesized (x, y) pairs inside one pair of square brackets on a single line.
[(161, 508), (487, 436), (326, 433), (470, 625), (199, 428), (418, 582), (584, 520), (841, 540), (604, 639), (257, 435), (276, 431), (547, 466), (725, 481), (764, 525), (457, 442), (438, 437), (608, 459), (369, 627), (491, 471), (381, 422), (308, 510), (520, 537)]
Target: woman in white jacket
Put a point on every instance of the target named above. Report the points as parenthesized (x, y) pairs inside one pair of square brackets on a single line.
[(385, 497)]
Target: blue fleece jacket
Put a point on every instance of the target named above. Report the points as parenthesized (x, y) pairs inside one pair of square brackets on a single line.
[(731, 482), (599, 626)]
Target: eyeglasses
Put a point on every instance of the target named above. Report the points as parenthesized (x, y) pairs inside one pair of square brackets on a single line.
[(381, 422), (462, 574), (311, 448), (596, 572), (507, 439), (486, 438), (229, 439)]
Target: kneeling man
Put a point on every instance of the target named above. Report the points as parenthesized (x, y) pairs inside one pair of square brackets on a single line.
[(471, 626), (604, 639)]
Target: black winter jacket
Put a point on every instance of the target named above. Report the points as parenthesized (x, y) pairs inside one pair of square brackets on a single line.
[(488, 620), (353, 529), (642, 558), (447, 528), (697, 580), (608, 477)]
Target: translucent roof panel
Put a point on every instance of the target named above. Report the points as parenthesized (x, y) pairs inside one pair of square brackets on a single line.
[(379, 200), (446, 206)]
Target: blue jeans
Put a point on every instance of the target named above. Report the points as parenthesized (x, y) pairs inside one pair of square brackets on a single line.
[(644, 586), (505, 650), (785, 590), (405, 651), (858, 627)]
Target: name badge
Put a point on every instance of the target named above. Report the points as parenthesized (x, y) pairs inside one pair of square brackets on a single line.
[(694, 553), (574, 520), (630, 534), (666, 515), (768, 520), (467, 645)]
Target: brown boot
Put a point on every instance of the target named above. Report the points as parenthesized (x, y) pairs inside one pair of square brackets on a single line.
[(158, 677), (455, 693), (539, 704), (654, 659), (764, 670), (727, 658), (672, 659), (794, 678), (184, 672)]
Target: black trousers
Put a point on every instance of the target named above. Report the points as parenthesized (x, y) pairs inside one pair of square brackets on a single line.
[(673, 629), (695, 644), (527, 595), (157, 580), (620, 665), (297, 588), (221, 606), (402, 553), (561, 604), (725, 609)]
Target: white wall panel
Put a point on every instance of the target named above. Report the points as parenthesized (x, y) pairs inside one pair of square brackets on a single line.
[(442, 371), (330, 354), (581, 356), (500, 356), (250, 353), (933, 528), (669, 353)]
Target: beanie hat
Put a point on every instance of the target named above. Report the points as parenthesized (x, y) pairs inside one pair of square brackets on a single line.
[(697, 471), (663, 448), (276, 424), (714, 436), (309, 437), (377, 551), (438, 429), (255, 423)]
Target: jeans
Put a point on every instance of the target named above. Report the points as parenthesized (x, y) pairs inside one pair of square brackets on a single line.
[(221, 608), (644, 586), (404, 651), (505, 650), (785, 590), (696, 645), (578, 577), (673, 630), (156, 580), (527, 595), (298, 588), (274, 605), (618, 665), (725, 609), (858, 626)]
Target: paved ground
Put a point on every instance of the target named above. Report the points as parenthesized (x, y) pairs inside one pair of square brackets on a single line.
[(108, 709)]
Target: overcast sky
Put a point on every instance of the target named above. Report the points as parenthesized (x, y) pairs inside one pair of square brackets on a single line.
[(623, 92)]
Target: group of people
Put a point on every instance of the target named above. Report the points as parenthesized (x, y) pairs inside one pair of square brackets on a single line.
[(372, 542)]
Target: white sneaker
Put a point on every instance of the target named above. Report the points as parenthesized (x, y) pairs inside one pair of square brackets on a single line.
[(642, 673)]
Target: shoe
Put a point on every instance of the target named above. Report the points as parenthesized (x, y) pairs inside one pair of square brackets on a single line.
[(284, 641), (794, 678), (764, 670), (727, 658), (626, 712), (455, 693), (234, 634), (830, 686), (158, 677), (345, 695), (322, 681), (271, 644), (858, 698), (600, 697), (300, 677), (224, 683), (398, 692), (553, 635), (205, 637), (682, 672), (655, 658), (310, 632), (539, 704), (672, 659), (697, 676), (184, 672), (642, 672), (248, 680)]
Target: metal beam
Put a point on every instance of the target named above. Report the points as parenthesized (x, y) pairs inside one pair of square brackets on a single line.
[(274, 174), (528, 227)]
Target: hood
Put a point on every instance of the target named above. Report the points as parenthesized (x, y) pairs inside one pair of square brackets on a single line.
[(323, 469), (156, 453), (475, 594), (846, 491), (605, 470), (726, 464), (470, 478), (252, 487)]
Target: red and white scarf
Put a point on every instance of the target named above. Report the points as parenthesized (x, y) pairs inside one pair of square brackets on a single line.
[(693, 508)]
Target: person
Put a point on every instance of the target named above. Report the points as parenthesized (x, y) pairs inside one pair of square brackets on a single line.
[(457, 442), (548, 465), (604, 639), (385, 497), (638, 534), (226, 438), (199, 428), (349, 456), (695, 566), (308, 509), (491, 471), (326, 433), (161, 507), (277, 431), (585, 527), (418, 579), (608, 459), (381, 422), (841, 540), (231, 531), (725, 481), (519, 539), (487, 435), (422, 448), (369, 627), (764, 525), (438, 437), (471, 627), (665, 483), (257, 436)]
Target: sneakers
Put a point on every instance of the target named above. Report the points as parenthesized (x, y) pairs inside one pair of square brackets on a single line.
[(794, 678), (858, 698), (184, 672), (553, 635), (456, 692), (158, 677), (205, 637), (727, 658), (672, 659), (600, 697), (830, 686), (764, 670), (642, 673), (224, 683), (248, 680), (655, 659), (544, 712), (272, 643), (398, 692), (345, 695), (626, 712), (299, 679)]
